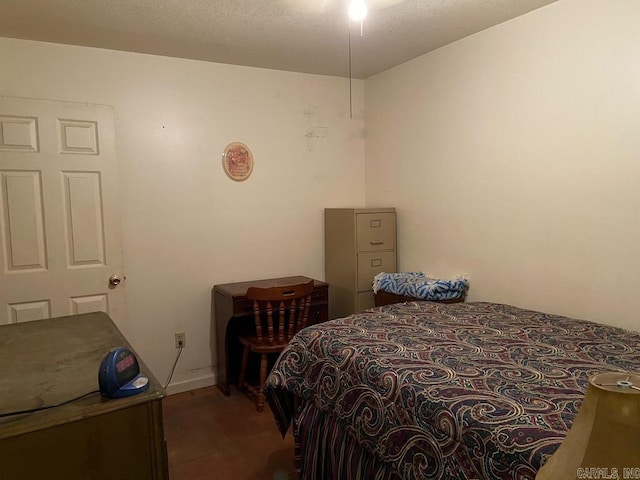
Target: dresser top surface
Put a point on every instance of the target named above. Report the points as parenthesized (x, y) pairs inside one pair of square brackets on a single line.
[(47, 362)]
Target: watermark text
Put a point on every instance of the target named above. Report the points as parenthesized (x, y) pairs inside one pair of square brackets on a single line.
[(628, 473)]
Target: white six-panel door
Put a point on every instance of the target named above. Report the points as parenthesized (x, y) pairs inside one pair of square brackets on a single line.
[(59, 221)]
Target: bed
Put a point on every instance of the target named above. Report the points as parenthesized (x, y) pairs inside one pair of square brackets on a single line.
[(425, 390)]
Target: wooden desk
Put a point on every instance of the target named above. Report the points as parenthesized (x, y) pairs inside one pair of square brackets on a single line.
[(51, 361), (232, 314)]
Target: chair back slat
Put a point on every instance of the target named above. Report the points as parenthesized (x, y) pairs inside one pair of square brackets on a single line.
[(257, 320), (281, 325), (304, 312), (270, 321), (287, 319)]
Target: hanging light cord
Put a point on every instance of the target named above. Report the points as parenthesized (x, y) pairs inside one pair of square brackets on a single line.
[(350, 94), (350, 75)]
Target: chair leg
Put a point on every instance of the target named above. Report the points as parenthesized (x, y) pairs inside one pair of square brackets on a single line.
[(263, 377), (243, 368)]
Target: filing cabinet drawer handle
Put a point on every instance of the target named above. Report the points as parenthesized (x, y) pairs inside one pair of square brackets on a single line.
[(376, 262), (376, 242)]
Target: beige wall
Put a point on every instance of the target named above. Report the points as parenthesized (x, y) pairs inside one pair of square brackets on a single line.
[(186, 226), (514, 156)]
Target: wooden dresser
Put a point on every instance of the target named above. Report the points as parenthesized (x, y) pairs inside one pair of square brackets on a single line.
[(47, 362), (359, 243)]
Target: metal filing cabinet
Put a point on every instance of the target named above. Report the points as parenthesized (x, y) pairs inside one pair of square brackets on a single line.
[(359, 243)]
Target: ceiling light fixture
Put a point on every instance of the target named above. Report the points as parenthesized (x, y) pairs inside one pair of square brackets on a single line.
[(357, 10)]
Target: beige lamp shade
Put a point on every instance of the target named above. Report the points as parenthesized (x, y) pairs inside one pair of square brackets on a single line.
[(605, 434)]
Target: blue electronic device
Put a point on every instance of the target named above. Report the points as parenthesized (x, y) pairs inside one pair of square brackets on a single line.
[(119, 374)]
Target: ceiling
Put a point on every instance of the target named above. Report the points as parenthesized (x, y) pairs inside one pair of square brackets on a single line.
[(310, 36)]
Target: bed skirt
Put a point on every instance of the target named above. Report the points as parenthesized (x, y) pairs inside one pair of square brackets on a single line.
[(324, 450)]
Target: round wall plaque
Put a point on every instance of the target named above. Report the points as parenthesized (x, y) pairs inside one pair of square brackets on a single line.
[(237, 161)]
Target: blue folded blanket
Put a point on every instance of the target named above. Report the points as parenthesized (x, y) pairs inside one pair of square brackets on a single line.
[(419, 286)]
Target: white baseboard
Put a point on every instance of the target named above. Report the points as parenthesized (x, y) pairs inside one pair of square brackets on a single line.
[(201, 381)]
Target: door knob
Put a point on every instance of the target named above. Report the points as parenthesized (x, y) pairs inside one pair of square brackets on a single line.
[(114, 281)]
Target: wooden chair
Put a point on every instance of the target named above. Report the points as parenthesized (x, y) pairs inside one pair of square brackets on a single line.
[(280, 313)]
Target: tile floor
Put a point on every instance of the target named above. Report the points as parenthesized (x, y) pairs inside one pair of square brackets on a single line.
[(210, 436)]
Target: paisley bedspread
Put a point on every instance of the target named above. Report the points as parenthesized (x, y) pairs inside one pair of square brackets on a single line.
[(450, 391)]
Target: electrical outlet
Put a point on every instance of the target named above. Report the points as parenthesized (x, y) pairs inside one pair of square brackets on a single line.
[(181, 339)]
